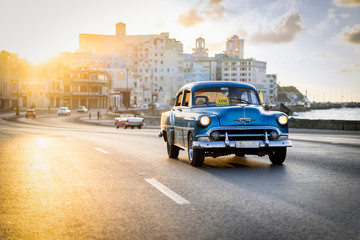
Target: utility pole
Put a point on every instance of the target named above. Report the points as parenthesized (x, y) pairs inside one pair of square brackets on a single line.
[(17, 85), (152, 88)]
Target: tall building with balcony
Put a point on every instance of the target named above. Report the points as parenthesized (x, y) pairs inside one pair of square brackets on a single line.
[(9, 78), (247, 70), (235, 47), (155, 62), (272, 79), (86, 87)]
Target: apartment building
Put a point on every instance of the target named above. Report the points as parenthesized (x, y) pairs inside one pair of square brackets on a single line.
[(272, 79), (235, 47), (86, 87), (155, 61), (9, 77), (247, 70), (198, 66), (158, 66)]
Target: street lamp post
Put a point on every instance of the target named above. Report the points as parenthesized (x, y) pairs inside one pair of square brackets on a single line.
[(17, 87), (152, 87)]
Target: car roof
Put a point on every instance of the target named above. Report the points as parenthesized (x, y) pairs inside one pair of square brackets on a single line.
[(196, 85)]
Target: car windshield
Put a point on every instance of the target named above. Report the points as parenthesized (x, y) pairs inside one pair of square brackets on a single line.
[(224, 96)]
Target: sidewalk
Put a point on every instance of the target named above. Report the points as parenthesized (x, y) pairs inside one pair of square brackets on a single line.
[(107, 122)]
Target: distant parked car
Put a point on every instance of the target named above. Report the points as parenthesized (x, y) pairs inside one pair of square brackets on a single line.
[(222, 118), (160, 105), (126, 122), (30, 113), (82, 109), (64, 111), (145, 106)]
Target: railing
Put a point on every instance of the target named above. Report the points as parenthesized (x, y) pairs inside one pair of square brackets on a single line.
[(89, 80), (86, 93)]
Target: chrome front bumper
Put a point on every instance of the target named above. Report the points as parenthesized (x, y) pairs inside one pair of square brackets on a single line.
[(235, 144)]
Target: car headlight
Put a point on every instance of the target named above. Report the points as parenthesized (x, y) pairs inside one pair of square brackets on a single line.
[(282, 119), (204, 121)]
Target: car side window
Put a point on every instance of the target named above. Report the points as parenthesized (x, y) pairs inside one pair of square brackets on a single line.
[(178, 99), (186, 98)]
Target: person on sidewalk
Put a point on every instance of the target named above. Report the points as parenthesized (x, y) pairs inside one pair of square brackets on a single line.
[(89, 115), (98, 114)]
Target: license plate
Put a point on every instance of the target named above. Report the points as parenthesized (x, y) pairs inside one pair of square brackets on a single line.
[(247, 144)]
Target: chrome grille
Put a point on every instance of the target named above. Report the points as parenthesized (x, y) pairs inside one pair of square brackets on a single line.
[(241, 135)]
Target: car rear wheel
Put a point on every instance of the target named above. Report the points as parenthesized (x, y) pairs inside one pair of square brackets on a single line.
[(196, 156), (277, 155), (172, 150), (139, 127)]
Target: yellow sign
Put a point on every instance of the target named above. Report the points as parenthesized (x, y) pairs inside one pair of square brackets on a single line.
[(222, 102)]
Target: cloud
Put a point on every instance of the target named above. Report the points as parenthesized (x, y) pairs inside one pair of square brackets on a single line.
[(160, 23), (351, 35), (332, 18), (190, 19), (352, 69), (242, 33), (346, 3), (214, 9), (285, 31)]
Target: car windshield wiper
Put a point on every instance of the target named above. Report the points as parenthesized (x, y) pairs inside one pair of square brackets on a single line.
[(238, 100)]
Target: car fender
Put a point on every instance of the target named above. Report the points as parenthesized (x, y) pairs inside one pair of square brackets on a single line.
[(167, 126)]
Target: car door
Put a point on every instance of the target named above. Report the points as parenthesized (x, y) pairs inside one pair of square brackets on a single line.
[(178, 138), (186, 117)]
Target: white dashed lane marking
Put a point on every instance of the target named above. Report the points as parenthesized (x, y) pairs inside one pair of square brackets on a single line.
[(101, 150), (168, 192)]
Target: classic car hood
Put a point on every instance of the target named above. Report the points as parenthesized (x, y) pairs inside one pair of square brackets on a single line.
[(249, 115)]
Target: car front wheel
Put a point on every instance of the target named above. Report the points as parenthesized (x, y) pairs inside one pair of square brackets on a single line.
[(277, 155), (196, 156)]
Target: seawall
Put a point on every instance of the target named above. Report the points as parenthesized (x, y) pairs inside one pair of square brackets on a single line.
[(325, 124), (152, 118)]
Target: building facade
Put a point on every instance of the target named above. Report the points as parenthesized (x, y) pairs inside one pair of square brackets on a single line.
[(9, 78), (86, 87), (272, 79), (154, 61), (235, 47)]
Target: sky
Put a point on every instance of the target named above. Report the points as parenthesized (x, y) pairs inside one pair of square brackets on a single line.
[(311, 44)]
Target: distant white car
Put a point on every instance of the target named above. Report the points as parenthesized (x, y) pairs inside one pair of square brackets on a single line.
[(64, 111), (132, 122), (145, 106), (160, 105), (82, 109)]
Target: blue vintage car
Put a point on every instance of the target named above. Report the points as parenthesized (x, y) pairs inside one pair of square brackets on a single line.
[(222, 118)]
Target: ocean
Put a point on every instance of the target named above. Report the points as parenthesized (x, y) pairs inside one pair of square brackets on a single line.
[(330, 114)]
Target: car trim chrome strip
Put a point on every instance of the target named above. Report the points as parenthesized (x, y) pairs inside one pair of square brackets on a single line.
[(232, 144), (183, 128)]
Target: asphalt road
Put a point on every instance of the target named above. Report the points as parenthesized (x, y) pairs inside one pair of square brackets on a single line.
[(60, 179)]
